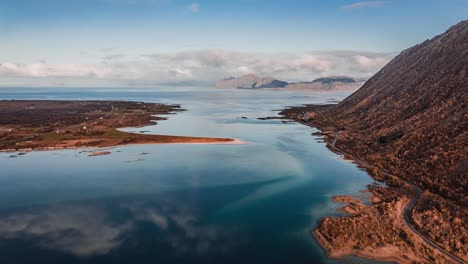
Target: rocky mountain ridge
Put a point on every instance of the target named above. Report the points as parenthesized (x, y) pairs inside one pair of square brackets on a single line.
[(252, 81)]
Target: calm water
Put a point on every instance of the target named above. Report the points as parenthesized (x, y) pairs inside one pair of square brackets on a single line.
[(252, 203)]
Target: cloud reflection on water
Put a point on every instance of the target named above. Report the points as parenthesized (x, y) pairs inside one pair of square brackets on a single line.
[(93, 229), (79, 230)]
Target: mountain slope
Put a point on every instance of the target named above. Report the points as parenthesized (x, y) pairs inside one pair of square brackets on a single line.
[(411, 119), (416, 106)]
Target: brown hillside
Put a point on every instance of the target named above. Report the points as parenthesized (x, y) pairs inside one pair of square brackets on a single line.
[(413, 113), (411, 119)]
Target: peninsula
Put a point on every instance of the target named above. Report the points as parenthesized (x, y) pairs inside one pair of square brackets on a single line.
[(42, 125)]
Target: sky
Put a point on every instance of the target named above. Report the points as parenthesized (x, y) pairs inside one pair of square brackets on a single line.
[(180, 42)]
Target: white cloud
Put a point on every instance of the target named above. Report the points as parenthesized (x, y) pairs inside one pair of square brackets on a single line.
[(369, 64), (364, 4), (194, 8), (205, 66), (42, 69), (113, 57)]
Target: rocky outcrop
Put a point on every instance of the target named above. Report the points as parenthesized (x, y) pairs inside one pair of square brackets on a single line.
[(377, 230)]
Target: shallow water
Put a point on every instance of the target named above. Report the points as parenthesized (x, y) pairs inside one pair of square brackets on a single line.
[(250, 203)]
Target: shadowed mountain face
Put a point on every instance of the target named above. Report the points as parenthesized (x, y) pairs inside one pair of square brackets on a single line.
[(328, 80), (415, 109), (418, 81), (411, 119)]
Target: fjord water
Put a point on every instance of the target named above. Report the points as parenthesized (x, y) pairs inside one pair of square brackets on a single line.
[(248, 203)]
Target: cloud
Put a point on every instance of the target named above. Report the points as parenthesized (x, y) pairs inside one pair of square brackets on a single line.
[(43, 69), (211, 64), (363, 4), (194, 8), (196, 66), (109, 49), (113, 57)]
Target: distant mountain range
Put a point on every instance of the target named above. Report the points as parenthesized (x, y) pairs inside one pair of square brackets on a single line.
[(252, 81), (327, 84)]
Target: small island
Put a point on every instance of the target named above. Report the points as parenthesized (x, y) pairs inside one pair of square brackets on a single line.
[(50, 124)]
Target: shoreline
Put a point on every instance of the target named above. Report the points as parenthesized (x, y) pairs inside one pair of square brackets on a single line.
[(35, 125), (321, 240), (361, 226), (215, 141)]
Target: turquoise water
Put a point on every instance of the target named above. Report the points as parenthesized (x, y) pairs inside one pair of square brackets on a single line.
[(249, 203)]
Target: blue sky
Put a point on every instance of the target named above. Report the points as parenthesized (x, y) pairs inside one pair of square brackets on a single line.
[(94, 42)]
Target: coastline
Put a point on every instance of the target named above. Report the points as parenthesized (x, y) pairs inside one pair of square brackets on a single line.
[(203, 141), (332, 228), (30, 125), (328, 248)]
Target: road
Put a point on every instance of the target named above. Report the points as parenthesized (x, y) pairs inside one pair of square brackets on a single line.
[(409, 206)]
